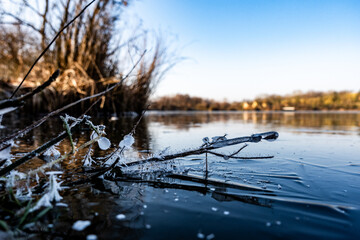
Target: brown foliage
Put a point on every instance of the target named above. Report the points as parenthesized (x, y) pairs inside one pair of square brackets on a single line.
[(87, 53)]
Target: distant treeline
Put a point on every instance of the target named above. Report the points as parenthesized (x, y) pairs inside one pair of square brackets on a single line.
[(344, 100)]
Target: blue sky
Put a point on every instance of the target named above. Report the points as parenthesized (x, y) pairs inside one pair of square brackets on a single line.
[(239, 50)]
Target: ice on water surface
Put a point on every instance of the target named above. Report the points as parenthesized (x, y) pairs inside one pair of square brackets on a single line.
[(120, 216), (80, 225)]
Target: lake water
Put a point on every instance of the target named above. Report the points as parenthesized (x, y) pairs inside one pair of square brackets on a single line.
[(309, 189)]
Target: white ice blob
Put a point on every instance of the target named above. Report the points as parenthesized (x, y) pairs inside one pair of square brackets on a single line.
[(127, 142), (120, 217), (81, 225)]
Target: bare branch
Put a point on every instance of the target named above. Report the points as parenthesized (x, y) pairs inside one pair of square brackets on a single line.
[(204, 149)]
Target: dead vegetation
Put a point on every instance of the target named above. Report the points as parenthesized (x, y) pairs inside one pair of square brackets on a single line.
[(91, 53)]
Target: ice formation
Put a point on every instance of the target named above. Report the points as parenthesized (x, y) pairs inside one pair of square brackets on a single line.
[(120, 216), (5, 154), (52, 193), (88, 159), (81, 225), (127, 142), (104, 143), (52, 151)]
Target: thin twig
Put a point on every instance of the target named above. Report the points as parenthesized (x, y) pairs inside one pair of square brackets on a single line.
[(18, 101), (237, 157)]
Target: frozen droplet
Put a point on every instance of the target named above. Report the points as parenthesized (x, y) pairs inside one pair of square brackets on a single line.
[(145, 206), (279, 186), (104, 143), (50, 225), (210, 236), (127, 142), (200, 235), (120, 216), (226, 212), (214, 209), (91, 237), (212, 189), (147, 226), (278, 223), (176, 199), (81, 225), (268, 224)]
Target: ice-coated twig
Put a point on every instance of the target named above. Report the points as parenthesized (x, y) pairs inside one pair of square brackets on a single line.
[(206, 148), (50, 164), (67, 129), (125, 143)]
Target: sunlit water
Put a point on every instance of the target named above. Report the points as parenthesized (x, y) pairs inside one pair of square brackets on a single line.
[(309, 189)]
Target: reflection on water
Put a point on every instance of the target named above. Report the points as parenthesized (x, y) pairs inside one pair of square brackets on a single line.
[(348, 121), (308, 190)]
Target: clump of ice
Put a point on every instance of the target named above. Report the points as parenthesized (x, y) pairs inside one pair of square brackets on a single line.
[(91, 237), (210, 236), (52, 152), (5, 154), (88, 159), (81, 225), (52, 193), (104, 143), (120, 217), (14, 174), (200, 235), (127, 142)]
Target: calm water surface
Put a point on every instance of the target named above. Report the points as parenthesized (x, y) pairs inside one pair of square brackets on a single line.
[(309, 189)]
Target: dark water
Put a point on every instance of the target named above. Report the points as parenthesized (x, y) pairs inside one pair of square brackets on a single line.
[(310, 189)]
